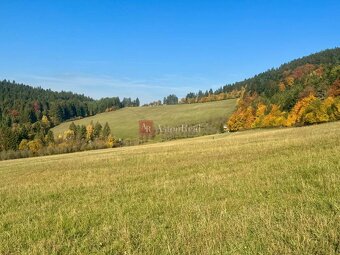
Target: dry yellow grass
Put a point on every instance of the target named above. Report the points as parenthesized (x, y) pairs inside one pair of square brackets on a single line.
[(256, 192)]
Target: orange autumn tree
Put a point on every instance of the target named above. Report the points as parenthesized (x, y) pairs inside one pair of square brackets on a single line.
[(244, 116), (334, 90), (296, 114)]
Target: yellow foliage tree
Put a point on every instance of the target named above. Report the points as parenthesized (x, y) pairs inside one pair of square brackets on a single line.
[(296, 114), (322, 111), (45, 120), (332, 108), (243, 118), (23, 145), (260, 113), (275, 118), (69, 135), (111, 141), (35, 145), (316, 112), (289, 80), (89, 132)]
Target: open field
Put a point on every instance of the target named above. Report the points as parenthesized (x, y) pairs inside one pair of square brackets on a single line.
[(256, 192), (124, 122)]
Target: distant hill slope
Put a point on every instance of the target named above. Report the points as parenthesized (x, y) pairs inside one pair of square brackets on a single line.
[(301, 92), (124, 122)]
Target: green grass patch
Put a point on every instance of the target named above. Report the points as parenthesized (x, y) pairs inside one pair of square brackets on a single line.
[(254, 192), (124, 122)]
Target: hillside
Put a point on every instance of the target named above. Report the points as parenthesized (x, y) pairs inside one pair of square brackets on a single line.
[(266, 83), (302, 92), (124, 122), (256, 192), (21, 104)]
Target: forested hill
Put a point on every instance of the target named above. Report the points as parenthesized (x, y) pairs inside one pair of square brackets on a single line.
[(303, 91), (267, 81), (27, 115), (21, 104)]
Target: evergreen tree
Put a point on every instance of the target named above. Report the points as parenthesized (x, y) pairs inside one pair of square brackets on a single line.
[(9, 139), (171, 99), (106, 130), (49, 137), (81, 132), (137, 102), (57, 114), (97, 130)]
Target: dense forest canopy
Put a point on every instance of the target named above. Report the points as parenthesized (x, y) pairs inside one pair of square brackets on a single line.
[(25, 104), (265, 83), (303, 91)]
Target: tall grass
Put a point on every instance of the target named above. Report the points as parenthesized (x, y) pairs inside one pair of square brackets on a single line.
[(254, 192)]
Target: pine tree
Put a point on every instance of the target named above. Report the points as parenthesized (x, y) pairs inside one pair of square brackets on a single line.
[(81, 133), (97, 130), (73, 127), (49, 137), (106, 130)]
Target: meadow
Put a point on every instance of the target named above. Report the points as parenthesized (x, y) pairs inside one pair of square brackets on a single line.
[(124, 122), (270, 191)]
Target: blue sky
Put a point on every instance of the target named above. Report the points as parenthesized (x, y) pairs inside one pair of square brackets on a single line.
[(150, 48)]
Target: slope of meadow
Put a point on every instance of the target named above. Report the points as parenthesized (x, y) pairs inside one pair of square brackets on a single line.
[(253, 192), (124, 122)]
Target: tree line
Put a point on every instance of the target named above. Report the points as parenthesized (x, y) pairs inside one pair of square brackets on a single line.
[(76, 138), (200, 97)]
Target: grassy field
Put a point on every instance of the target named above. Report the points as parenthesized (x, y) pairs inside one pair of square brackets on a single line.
[(256, 192), (124, 122)]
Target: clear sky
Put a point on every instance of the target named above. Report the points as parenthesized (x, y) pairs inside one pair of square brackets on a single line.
[(150, 49)]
